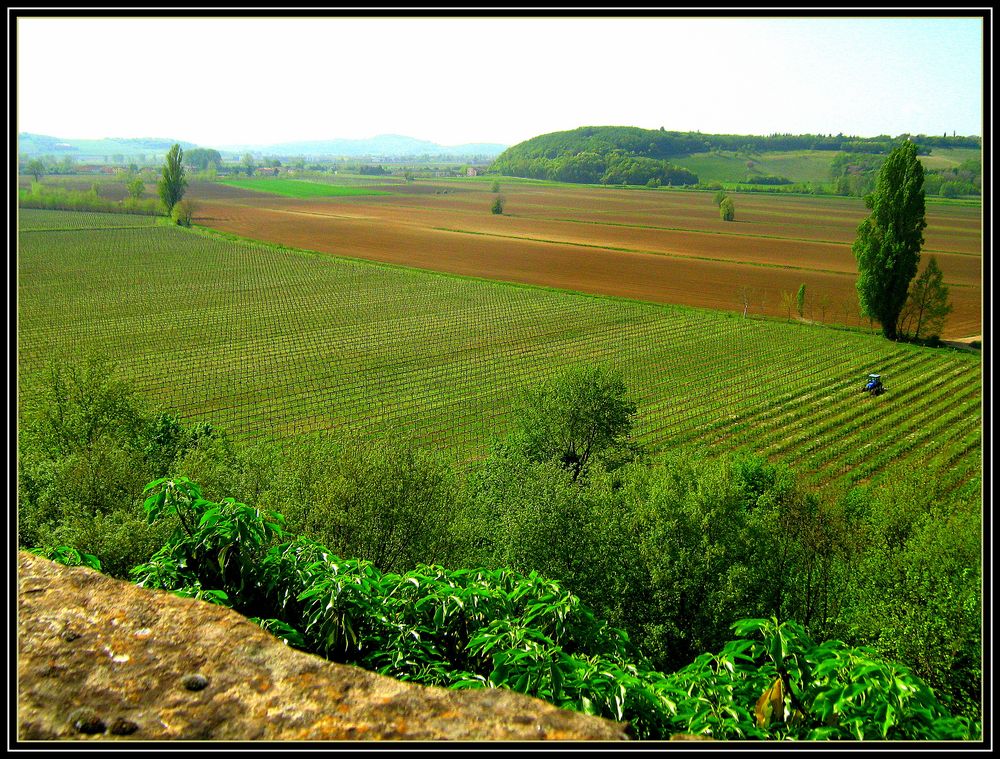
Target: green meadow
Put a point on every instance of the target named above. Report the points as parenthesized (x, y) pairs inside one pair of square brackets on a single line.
[(296, 188)]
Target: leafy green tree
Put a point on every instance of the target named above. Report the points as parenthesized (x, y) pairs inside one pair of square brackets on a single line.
[(727, 211), (36, 168), (787, 303), (84, 454), (379, 500), (183, 212), (719, 197), (927, 306), (134, 186), (172, 183), (913, 587), (582, 414), (200, 158), (496, 186), (498, 204), (711, 540), (800, 299), (249, 164), (951, 189), (888, 244)]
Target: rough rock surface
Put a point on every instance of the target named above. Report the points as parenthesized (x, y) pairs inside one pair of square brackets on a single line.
[(101, 659)]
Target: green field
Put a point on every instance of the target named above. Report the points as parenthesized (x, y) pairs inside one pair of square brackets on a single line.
[(265, 342), (295, 188), (797, 165), (36, 219), (724, 166), (948, 158)]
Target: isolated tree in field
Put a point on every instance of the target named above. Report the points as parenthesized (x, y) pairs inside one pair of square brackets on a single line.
[(182, 212), (927, 306), (788, 303), (575, 417), (887, 247), (172, 182), (249, 164), (496, 186), (745, 295), (727, 211), (719, 197), (36, 168), (823, 301), (800, 299), (498, 204)]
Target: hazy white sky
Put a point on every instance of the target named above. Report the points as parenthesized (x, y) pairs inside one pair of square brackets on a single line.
[(225, 81)]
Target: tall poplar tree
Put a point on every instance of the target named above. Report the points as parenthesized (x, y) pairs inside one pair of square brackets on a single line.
[(888, 244), (172, 184)]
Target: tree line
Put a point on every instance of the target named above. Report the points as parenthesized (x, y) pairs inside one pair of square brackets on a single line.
[(664, 144), (616, 167)]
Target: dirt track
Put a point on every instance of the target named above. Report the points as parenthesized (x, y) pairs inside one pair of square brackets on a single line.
[(603, 241)]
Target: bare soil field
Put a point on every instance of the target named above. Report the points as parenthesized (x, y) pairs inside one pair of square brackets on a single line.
[(660, 246)]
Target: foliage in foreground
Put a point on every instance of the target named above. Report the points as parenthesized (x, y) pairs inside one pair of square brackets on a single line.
[(474, 628), (671, 550)]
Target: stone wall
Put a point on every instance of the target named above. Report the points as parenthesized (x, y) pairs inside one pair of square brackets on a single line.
[(101, 659)]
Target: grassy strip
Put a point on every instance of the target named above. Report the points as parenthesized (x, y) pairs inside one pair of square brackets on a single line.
[(295, 188)]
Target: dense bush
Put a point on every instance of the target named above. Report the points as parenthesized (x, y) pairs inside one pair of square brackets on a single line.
[(86, 447), (480, 628), (379, 501), (914, 586), (669, 549)]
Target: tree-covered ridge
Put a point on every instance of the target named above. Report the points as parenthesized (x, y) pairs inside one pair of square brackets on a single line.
[(631, 155), (659, 143)]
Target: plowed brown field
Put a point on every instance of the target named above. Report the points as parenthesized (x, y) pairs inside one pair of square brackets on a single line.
[(661, 246)]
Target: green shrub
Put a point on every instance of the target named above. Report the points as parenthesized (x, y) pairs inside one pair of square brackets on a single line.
[(480, 628), (68, 556), (379, 500), (913, 587), (727, 211), (780, 684), (182, 212)]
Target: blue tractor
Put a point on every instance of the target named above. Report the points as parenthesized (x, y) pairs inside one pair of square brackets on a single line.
[(874, 385)]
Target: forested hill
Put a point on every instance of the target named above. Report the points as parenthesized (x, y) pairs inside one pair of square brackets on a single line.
[(630, 155)]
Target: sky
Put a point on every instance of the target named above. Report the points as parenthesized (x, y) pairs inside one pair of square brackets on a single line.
[(244, 81)]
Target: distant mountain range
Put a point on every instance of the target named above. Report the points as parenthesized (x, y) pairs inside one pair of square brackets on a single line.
[(385, 146)]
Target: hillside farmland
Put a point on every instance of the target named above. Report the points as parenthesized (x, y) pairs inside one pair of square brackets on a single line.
[(658, 246)]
